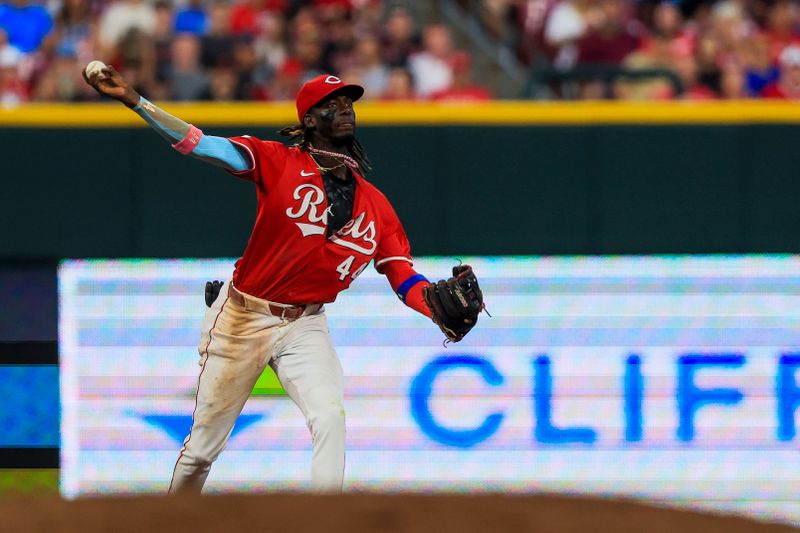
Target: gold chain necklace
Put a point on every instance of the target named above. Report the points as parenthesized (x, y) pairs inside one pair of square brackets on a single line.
[(344, 158), (323, 170)]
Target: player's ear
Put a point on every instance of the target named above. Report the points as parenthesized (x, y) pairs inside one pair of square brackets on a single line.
[(309, 121)]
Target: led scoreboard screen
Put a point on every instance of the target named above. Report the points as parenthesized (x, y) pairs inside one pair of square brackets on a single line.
[(672, 379)]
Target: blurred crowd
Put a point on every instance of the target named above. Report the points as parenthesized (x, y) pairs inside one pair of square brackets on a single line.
[(227, 50), (725, 49), (265, 49)]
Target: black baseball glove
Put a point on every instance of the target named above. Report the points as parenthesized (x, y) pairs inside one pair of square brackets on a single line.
[(455, 303)]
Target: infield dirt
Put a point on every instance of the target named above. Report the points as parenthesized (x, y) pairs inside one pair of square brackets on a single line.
[(356, 513)]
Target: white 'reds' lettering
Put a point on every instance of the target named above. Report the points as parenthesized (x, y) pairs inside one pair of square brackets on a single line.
[(354, 229), (362, 235), (312, 198)]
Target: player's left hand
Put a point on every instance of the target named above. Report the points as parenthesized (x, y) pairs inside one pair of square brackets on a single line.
[(455, 303)]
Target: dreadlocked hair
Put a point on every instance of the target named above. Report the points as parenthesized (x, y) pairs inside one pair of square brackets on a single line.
[(303, 135)]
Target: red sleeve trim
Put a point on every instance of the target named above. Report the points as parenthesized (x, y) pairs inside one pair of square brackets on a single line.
[(398, 272), (252, 159), (416, 301), (393, 258)]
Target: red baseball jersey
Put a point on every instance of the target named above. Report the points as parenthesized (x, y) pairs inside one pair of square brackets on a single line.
[(288, 258)]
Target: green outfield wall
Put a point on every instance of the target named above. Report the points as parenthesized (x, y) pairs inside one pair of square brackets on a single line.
[(506, 178)]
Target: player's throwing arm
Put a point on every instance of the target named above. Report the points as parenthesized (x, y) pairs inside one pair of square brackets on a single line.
[(184, 137)]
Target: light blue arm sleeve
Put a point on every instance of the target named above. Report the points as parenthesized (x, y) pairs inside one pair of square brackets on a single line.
[(171, 128), (221, 152), (218, 151)]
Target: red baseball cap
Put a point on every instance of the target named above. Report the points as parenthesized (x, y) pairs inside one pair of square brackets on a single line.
[(317, 89)]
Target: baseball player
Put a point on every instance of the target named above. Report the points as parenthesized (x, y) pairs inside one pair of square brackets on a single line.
[(319, 223)]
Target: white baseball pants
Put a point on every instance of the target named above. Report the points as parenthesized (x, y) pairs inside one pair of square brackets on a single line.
[(236, 344)]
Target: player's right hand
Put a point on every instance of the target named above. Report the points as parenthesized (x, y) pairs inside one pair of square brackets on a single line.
[(109, 82)]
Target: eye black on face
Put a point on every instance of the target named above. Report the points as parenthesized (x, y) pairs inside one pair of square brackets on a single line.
[(338, 102)]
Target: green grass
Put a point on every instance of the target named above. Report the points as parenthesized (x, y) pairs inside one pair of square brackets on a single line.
[(21, 481), (268, 385)]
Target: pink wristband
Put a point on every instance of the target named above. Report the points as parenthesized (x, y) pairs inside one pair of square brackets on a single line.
[(189, 142)]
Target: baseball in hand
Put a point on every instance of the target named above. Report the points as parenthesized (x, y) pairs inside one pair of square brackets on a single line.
[(95, 67)]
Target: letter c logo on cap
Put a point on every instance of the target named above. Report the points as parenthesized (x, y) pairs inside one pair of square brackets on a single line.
[(333, 80)]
